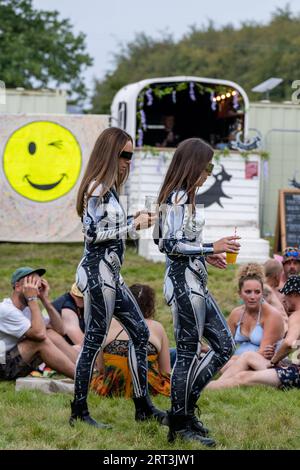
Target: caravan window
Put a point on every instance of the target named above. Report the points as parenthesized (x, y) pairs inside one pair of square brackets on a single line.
[(168, 113)]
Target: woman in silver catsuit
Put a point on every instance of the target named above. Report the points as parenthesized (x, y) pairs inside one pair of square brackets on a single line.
[(195, 312), (105, 226)]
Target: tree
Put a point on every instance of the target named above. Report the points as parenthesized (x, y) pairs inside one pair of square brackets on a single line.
[(142, 58), (248, 55), (37, 49)]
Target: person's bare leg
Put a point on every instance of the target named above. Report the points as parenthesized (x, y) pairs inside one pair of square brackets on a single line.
[(49, 353), (246, 361), (62, 345), (247, 378), (259, 377), (72, 327), (256, 361), (229, 364)]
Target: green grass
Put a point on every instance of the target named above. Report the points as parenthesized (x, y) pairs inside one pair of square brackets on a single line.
[(244, 418)]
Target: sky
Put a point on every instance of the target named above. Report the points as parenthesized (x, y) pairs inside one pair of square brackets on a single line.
[(110, 23)]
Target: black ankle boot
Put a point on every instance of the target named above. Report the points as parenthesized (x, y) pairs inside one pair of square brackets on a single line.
[(144, 410), (182, 426), (197, 424), (80, 411)]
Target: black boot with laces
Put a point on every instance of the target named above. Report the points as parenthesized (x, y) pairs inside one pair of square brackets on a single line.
[(181, 426), (197, 424)]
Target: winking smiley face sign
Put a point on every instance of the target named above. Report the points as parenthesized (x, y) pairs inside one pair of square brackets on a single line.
[(42, 161)]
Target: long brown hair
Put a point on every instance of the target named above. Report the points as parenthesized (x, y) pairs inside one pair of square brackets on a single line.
[(189, 161), (103, 164)]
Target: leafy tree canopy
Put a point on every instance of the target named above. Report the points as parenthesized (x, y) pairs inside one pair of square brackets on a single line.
[(248, 55), (38, 49)]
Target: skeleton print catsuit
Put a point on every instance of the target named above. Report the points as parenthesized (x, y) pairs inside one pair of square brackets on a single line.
[(105, 227), (195, 312)]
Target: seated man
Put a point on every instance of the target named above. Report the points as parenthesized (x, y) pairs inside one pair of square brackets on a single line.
[(290, 263), (252, 369), (70, 307), (291, 267), (273, 270), (26, 337)]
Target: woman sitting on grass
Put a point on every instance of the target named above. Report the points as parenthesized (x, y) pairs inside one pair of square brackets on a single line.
[(114, 378), (256, 326), (252, 368)]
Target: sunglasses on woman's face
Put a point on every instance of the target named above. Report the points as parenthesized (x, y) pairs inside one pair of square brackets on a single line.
[(209, 168), (126, 155)]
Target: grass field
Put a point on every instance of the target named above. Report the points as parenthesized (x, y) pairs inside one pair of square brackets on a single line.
[(256, 418)]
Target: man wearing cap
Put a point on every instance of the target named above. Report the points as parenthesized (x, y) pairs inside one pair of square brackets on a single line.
[(275, 372), (26, 337), (291, 267), (70, 307), (290, 263)]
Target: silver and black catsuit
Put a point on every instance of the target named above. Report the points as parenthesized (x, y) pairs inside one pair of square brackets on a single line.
[(105, 227), (195, 312)]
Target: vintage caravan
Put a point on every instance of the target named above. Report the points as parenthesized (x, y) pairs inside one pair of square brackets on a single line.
[(160, 113)]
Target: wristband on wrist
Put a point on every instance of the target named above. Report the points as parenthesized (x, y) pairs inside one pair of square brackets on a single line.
[(29, 299), (207, 249)]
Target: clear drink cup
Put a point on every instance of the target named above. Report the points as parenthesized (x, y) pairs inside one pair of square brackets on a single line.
[(150, 204)]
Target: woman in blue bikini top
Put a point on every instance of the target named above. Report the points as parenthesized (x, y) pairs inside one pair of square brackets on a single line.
[(256, 325), (252, 342)]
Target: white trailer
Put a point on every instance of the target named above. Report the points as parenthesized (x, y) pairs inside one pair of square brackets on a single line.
[(161, 112)]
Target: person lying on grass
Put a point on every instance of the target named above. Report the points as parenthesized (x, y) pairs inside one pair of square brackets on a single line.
[(26, 337)]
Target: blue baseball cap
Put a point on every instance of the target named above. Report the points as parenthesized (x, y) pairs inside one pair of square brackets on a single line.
[(25, 271)]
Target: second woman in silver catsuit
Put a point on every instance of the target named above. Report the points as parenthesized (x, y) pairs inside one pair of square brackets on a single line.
[(195, 312), (105, 226)]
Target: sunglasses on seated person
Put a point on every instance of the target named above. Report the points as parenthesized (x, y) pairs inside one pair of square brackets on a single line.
[(293, 252)]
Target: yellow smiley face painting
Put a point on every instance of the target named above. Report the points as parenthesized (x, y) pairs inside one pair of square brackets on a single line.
[(42, 161)]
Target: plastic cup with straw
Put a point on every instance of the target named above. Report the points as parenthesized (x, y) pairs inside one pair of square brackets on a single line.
[(231, 257)]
